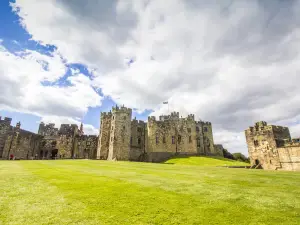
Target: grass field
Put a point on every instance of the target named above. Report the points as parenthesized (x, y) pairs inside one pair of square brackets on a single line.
[(101, 192)]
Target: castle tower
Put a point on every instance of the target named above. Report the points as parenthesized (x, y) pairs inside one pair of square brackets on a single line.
[(81, 129), (208, 140), (41, 128), (263, 141), (18, 126), (120, 133), (104, 135)]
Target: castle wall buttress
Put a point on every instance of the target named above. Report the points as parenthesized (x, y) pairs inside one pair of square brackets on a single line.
[(120, 134), (137, 140), (104, 135), (187, 136)]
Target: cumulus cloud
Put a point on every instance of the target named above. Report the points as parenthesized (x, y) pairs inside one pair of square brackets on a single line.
[(22, 89), (232, 63)]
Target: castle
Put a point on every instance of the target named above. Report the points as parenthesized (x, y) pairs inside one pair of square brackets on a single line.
[(271, 147), (49, 143), (120, 138)]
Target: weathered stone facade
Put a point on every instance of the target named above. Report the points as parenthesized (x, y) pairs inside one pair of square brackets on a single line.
[(5, 129), (271, 147), (66, 142), (121, 138)]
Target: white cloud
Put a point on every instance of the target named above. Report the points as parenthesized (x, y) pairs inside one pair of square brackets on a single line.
[(230, 65), (21, 87)]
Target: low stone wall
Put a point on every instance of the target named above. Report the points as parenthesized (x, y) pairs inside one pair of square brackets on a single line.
[(289, 158)]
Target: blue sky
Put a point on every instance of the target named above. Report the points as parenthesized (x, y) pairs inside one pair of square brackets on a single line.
[(15, 38)]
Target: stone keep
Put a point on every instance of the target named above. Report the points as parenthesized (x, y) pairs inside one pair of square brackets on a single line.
[(121, 138), (271, 147)]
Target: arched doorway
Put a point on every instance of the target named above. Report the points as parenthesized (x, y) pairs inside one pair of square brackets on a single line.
[(54, 153), (256, 162)]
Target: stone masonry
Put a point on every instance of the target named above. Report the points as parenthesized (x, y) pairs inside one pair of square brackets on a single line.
[(272, 148), (66, 142), (121, 138)]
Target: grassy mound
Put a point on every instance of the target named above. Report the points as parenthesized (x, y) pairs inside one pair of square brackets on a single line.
[(205, 161)]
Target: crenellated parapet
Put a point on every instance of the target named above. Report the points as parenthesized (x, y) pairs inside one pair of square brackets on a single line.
[(6, 120), (121, 109)]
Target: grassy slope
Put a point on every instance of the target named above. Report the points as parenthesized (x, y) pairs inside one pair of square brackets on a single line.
[(100, 192), (205, 161)]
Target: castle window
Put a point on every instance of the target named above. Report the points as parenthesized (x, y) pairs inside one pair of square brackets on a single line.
[(88, 143), (124, 117), (190, 139), (111, 139), (179, 138), (173, 140), (256, 143), (164, 139), (113, 117), (198, 142), (157, 140), (197, 129), (123, 127), (112, 127), (205, 129), (189, 130), (131, 140), (139, 129), (139, 141)]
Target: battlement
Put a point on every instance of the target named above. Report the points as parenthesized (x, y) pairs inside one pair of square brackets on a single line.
[(6, 120), (121, 109), (261, 124), (139, 122), (191, 117), (151, 118), (106, 114), (67, 129)]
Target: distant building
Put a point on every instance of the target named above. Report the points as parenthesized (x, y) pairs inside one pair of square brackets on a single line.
[(271, 147)]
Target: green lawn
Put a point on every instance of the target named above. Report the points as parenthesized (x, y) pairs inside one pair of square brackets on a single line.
[(101, 192), (205, 161)]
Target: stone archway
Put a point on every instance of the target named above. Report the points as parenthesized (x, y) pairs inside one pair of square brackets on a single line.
[(257, 162), (54, 153)]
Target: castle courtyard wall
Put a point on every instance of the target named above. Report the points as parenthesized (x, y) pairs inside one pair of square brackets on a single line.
[(290, 158)]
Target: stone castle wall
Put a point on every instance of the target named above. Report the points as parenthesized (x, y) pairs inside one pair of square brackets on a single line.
[(5, 128), (50, 142), (155, 140), (137, 140), (271, 147), (85, 147), (21, 144)]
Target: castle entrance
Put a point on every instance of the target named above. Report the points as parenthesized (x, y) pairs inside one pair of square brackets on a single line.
[(54, 153), (256, 162)]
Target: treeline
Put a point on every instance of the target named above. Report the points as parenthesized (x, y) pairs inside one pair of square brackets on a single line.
[(235, 156)]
